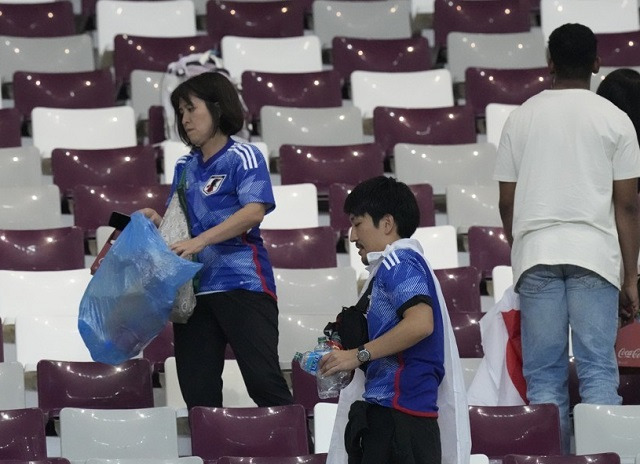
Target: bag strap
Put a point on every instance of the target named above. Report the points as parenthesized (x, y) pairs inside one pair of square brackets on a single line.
[(363, 303), (181, 191)]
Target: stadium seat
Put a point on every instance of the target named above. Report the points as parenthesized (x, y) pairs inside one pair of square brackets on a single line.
[(254, 19), (57, 249), (307, 248), (37, 19)]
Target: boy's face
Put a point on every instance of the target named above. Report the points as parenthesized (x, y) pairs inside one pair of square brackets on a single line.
[(366, 236)]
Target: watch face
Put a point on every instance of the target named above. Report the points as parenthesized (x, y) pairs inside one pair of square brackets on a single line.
[(363, 355)]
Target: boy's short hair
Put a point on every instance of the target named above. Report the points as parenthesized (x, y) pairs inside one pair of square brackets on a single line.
[(220, 96), (573, 48), (384, 195)]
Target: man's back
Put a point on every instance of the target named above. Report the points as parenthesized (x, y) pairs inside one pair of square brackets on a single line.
[(564, 148)]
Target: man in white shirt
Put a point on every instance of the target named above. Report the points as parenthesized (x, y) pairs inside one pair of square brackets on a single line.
[(568, 164)]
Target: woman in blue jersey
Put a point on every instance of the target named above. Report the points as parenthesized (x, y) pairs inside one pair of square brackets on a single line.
[(228, 192)]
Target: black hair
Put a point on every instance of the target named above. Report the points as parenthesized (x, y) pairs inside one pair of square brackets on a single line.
[(220, 97), (384, 195), (573, 49), (622, 88)]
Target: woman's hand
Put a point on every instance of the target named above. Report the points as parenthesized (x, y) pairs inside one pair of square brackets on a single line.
[(152, 215), (190, 247)]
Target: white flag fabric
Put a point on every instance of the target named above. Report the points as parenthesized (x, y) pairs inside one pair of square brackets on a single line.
[(453, 410), (498, 380)]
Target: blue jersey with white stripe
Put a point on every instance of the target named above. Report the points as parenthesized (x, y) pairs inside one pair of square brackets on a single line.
[(409, 380), (232, 178)]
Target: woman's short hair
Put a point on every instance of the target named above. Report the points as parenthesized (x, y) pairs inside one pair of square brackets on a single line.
[(220, 97)]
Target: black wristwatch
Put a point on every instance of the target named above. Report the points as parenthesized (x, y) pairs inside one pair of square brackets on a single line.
[(363, 354)]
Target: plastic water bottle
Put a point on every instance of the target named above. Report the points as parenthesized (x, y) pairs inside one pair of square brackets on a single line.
[(329, 386)]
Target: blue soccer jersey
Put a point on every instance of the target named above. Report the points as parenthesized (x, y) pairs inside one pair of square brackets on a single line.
[(232, 178), (409, 380)]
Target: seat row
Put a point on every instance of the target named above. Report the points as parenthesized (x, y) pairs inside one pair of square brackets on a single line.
[(496, 432)]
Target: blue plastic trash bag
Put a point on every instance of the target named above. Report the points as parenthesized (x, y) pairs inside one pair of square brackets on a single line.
[(128, 300)]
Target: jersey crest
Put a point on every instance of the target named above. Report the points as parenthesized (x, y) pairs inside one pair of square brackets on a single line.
[(213, 184)]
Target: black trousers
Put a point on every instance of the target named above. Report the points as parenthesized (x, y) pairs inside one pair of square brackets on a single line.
[(380, 435), (248, 321)]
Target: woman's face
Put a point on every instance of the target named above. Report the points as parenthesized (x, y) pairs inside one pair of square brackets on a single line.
[(196, 120)]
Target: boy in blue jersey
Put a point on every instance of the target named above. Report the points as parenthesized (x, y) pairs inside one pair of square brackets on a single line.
[(404, 359)]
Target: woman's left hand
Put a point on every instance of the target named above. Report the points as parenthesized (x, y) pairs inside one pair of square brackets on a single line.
[(189, 247)]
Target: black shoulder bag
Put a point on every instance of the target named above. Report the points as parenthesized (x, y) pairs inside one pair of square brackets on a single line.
[(351, 323)]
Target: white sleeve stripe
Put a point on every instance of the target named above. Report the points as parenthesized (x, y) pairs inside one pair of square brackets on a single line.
[(386, 264), (247, 157)]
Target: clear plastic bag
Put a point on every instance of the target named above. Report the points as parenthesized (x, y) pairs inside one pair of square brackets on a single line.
[(128, 301)]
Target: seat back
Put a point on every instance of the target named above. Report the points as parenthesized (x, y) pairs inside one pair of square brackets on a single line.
[(295, 54), (350, 54), (22, 434), (86, 128), (171, 18), (108, 166), (49, 337), (495, 17), (315, 291), (619, 48), (601, 428), (296, 207), (273, 431), (508, 86), (172, 150), (600, 16), (472, 205), (310, 126), (316, 458), (45, 54), (502, 278), (460, 288), (152, 53), (390, 19), (37, 19), (307, 248), (160, 348), (440, 245), (466, 329), (10, 126), (93, 385), (33, 207), (324, 417), (58, 249), (20, 166), (425, 126), (444, 165), (496, 50), (598, 458), (325, 165), (500, 430), (146, 90), (81, 89), (93, 205), (488, 248), (12, 395), (496, 116), (124, 433), (430, 89), (321, 89), (55, 293), (180, 460), (254, 19)]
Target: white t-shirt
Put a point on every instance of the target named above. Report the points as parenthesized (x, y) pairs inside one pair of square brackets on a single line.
[(564, 149)]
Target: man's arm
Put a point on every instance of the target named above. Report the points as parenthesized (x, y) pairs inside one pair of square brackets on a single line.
[(416, 324), (625, 204), (505, 204)]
